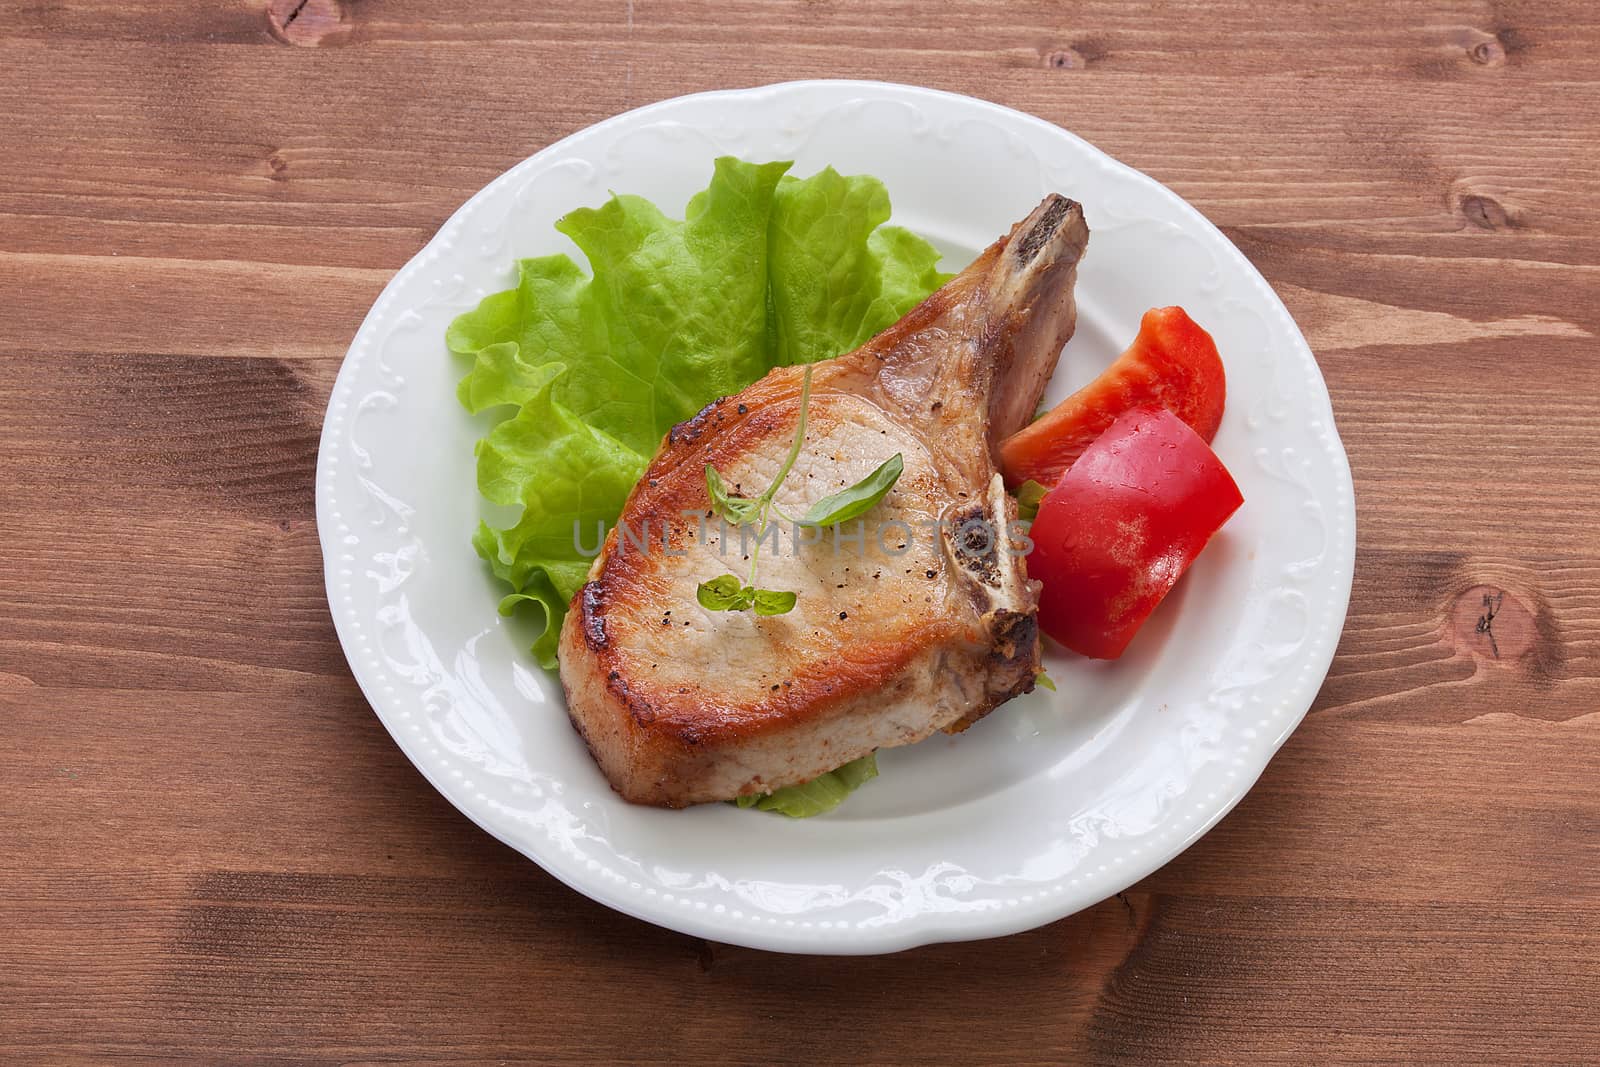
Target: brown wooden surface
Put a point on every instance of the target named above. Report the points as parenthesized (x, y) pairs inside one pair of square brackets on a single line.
[(210, 849)]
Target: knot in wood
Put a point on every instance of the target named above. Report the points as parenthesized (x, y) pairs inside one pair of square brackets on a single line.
[(1489, 53), (308, 23), (1493, 624), (1486, 213)]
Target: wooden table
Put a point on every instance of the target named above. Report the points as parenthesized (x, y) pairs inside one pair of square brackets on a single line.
[(210, 849)]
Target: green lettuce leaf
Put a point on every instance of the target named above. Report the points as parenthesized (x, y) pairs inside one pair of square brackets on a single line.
[(593, 369), (838, 275), (819, 795)]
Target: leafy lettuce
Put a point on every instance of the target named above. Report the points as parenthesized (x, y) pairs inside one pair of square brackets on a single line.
[(592, 370)]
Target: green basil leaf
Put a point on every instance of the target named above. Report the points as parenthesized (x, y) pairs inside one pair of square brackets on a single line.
[(858, 499), (1029, 495), (716, 488), (722, 593), (738, 510), (773, 601), (1043, 679)]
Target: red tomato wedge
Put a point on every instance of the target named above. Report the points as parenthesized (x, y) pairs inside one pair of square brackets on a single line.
[(1172, 364), (1120, 528)]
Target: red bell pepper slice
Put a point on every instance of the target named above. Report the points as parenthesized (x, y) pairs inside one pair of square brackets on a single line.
[(1121, 527), (1171, 364)]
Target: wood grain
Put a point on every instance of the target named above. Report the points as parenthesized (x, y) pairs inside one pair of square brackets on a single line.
[(209, 848)]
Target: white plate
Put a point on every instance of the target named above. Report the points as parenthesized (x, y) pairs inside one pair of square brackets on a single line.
[(1050, 804)]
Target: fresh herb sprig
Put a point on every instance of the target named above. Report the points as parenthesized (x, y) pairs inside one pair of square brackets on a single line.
[(726, 592)]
